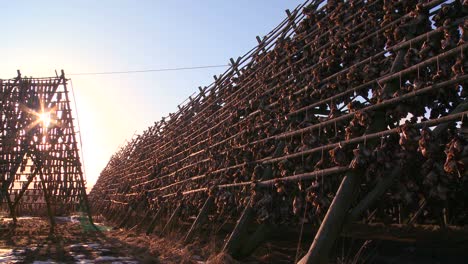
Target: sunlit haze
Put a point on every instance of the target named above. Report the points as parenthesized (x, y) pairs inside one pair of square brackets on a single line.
[(100, 36)]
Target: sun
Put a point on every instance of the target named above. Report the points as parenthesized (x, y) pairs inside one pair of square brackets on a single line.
[(45, 119), (43, 116)]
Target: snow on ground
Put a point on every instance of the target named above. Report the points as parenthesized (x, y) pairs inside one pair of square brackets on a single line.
[(29, 243), (100, 253)]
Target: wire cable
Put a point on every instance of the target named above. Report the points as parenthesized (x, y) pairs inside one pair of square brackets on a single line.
[(83, 167), (150, 70)]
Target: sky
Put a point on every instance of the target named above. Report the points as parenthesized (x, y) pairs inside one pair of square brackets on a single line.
[(39, 37)]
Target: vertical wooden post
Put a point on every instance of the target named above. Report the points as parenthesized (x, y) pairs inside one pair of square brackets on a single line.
[(331, 226), (233, 244), (291, 18), (201, 218), (260, 44), (47, 200), (11, 207)]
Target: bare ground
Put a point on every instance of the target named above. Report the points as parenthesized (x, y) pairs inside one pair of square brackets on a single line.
[(78, 242), (73, 242)]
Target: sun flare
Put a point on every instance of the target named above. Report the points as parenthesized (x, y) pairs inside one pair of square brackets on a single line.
[(45, 119)]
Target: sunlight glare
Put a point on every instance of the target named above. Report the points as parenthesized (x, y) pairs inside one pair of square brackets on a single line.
[(45, 119)]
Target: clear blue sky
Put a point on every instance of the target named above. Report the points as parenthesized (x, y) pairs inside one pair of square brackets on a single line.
[(94, 36)]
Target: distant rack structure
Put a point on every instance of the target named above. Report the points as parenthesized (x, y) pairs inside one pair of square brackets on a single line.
[(349, 116), (40, 167)]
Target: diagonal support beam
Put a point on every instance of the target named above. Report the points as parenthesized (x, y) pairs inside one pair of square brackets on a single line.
[(373, 196), (152, 225), (201, 218), (172, 219), (234, 243), (333, 221)]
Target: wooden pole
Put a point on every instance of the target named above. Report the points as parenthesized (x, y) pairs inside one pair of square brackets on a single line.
[(47, 200), (234, 242), (151, 226), (11, 207), (172, 219), (24, 188), (331, 226), (125, 218), (117, 215), (141, 223), (261, 234), (201, 218), (373, 195)]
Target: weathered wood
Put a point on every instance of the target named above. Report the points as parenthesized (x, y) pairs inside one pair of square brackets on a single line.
[(48, 203), (120, 215), (11, 208), (260, 235), (234, 242), (143, 220), (172, 219), (201, 218), (135, 216), (195, 146), (386, 182), (152, 225), (25, 187), (38, 134), (331, 226), (124, 220), (372, 197)]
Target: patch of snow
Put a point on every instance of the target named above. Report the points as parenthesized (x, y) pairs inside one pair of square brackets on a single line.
[(8, 255), (85, 261), (5, 251), (76, 246), (8, 219), (19, 251), (106, 258), (75, 218), (93, 246), (62, 219)]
